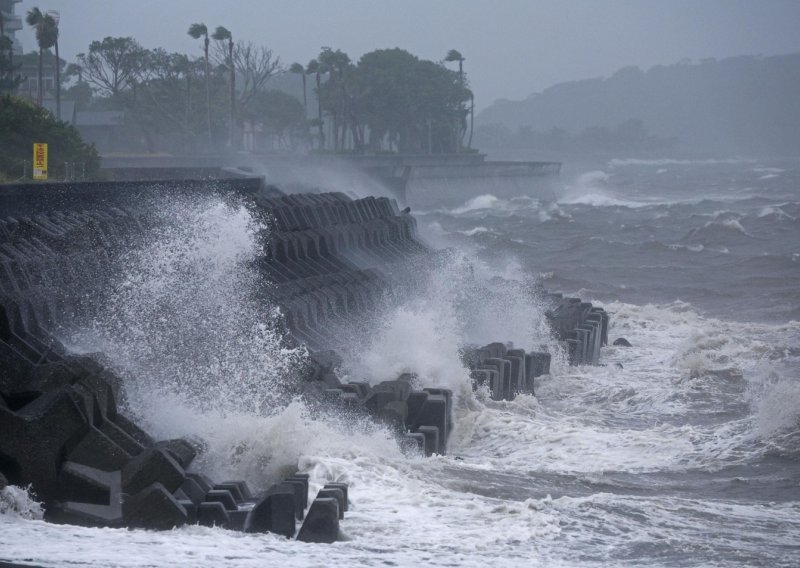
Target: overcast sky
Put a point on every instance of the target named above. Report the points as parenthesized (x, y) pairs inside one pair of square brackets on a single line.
[(512, 47)]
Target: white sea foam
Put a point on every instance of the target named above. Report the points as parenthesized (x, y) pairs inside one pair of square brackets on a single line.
[(585, 424), (550, 211), (776, 213), (671, 161), (475, 231), (592, 188), (486, 201), (17, 502), (461, 302), (201, 355), (692, 248)]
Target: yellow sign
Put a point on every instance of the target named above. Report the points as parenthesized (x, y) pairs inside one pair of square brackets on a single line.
[(39, 160)]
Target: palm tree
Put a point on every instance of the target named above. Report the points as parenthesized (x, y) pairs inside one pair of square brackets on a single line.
[(3, 43), (46, 36), (335, 63), (298, 69), (197, 31), (222, 34), (454, 55), (314, 67), (54, 21), (471, 118)]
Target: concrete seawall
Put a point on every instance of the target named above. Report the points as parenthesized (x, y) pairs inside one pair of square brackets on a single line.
[(418, 180)]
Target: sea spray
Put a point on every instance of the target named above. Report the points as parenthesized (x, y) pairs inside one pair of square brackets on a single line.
[(183, 317), (455, 303), (187, 322), (19, 502)]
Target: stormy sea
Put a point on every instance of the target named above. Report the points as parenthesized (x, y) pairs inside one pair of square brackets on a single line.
[(680, 450)]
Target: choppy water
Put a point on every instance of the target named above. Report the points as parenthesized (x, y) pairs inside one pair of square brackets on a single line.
[(686, 455)]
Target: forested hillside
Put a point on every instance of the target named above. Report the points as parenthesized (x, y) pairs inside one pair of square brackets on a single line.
[(745, 104)]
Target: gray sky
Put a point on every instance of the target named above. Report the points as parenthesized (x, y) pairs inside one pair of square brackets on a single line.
[(512, 47)]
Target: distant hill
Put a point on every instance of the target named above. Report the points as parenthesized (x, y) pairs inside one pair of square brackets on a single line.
[(748, 104)]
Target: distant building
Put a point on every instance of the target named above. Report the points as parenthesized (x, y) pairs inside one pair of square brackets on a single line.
[(30, 74), (12, 23), (103, 128)]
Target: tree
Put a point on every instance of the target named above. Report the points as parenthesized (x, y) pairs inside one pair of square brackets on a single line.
[(9, 80), (411, 102), (314, 68), (55, 22), (454, 55), (23, 123), (80, 92), (197, 31), (166, 86), (298, 69), (113, 64), (253, 66), (280, 115), (46, 37), (333, 95), (221, 34)]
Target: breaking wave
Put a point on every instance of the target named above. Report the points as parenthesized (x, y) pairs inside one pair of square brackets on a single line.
[(18, 502)]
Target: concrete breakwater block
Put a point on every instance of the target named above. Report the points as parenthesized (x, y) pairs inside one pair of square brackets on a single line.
[(580, 325), (345, 503), (154, 465), (221, 496), (274, 512), (507, 371), (335, 493), (422, 419), (212, 514), (333, 258), (582, 329), (322, 521), (154, 507)]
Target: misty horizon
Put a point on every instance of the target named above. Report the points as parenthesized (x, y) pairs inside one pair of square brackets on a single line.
[(556, 42)]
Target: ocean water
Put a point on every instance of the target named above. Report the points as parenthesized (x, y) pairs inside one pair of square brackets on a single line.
[(683, 450)]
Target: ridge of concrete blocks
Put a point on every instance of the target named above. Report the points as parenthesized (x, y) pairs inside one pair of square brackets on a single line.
[(581, 327), (64, 436), (505, 371), (332, 259), (422, 418)]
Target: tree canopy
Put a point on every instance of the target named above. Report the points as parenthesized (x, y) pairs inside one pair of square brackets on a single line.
[(9, 78), (388, 100), (22, 123), (391, 96), (113, 64)]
